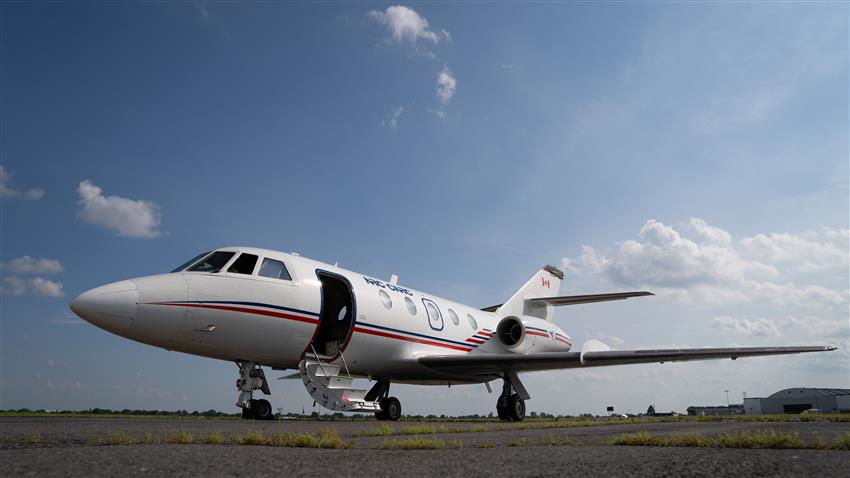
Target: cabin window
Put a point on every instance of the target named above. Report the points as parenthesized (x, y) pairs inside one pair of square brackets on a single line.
[(191, 261), (213, 263), (435, 319), (274, 269), (411, 307), (472, 322), (385, 299), (453, 317), (243, 264)]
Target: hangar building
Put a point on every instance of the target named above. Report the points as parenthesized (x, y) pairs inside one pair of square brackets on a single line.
[(795, 400)]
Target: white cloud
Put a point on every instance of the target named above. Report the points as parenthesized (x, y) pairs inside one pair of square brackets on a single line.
[(446, 85), (29, 265), (128, 217), (814, 327), (6, 191), (809, 252), (14, 285), (393, 118), (407, 25), (47, 288), (759, 327), (713, 267), (590, 377)]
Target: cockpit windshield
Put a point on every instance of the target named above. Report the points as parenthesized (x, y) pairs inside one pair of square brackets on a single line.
[(190, 261), (212, 263)]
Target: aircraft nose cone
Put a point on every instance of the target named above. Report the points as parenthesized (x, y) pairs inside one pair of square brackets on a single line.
[(111, 307)]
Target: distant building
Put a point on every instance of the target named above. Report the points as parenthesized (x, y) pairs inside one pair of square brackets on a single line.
[(735, 409), (796, 400)]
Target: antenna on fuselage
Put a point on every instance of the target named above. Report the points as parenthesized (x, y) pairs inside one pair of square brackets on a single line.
[(394, 279)]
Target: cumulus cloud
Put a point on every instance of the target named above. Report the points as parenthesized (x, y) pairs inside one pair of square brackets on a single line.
[(14, 285), (127, 217), (592, 377), (808, 252), (446, 85), (405, 24), (30, 265), (7, 191), (709, 264), (759, 327)]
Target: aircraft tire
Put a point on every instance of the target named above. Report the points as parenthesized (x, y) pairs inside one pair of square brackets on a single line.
[(381, 415), (262, 410), (502, 407), (516, 408), (391, 408), (248, 413)]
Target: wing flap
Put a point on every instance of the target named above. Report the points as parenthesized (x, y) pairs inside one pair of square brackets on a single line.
[(489, 364)]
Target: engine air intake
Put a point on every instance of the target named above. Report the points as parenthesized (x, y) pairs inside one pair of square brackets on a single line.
[(510, 331)]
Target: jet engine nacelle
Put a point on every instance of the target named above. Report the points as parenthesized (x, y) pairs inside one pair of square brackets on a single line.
[(530, 335)]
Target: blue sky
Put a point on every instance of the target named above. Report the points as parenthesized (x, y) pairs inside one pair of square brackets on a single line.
[(699, 151)]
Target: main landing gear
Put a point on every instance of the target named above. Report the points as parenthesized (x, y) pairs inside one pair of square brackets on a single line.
[(390, 406), (511, 406), (251, 377)]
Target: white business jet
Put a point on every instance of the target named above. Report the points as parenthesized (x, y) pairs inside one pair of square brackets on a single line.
[(258, 307)]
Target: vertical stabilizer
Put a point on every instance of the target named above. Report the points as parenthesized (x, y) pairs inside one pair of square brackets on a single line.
[(546, 283)]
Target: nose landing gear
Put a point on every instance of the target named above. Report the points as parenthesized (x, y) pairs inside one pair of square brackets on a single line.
[(251, 377)]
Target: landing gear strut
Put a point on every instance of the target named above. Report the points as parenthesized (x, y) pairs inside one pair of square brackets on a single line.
[(390, 406), (251, 377), (511, 406)]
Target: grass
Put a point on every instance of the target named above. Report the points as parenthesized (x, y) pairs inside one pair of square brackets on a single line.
[(418, 430), (415, 443), (382, 430), (181, 438), (769, 439), (214, 438), (120, 437), (323, 438)]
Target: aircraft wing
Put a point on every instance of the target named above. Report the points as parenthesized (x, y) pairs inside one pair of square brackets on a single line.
[(490, 364), (577, 299)]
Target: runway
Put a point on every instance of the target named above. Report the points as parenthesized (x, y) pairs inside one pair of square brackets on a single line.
[(80, 446)]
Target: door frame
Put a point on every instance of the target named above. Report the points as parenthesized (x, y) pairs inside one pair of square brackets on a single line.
[(319, 273)]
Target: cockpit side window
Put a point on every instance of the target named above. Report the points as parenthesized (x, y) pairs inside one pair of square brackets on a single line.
[(212, 263), (191, 261), (244, 264), (274, 269)]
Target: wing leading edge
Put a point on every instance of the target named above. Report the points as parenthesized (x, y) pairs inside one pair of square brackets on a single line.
[(490, 364)]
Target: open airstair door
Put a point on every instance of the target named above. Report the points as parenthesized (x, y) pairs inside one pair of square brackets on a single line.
[(336, 318)]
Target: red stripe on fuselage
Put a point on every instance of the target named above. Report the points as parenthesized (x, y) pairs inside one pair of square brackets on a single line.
[(409, 339), (563, 340), (475, 341), (246, 310), (541, 334)]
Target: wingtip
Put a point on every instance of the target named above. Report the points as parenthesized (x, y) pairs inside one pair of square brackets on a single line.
[(830, 348)]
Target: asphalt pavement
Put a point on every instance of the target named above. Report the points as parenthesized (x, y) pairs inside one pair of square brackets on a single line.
[(56, 446)]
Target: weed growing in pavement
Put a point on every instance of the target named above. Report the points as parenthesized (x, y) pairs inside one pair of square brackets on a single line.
[(744, 439), (181, 438), (415, 443), (35, 439), (214, 438), (382, 430)]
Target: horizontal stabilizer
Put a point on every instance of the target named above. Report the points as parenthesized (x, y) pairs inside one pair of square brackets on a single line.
[(576, 299), (586, 299)]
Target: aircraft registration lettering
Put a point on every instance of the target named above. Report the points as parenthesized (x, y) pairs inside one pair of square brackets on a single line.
[(384, 285)]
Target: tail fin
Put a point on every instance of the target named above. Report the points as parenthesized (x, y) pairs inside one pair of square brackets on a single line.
[(546, 283)]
